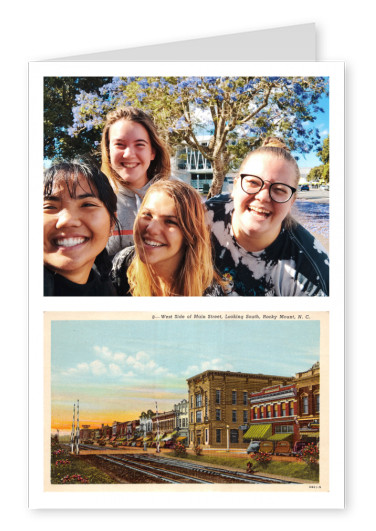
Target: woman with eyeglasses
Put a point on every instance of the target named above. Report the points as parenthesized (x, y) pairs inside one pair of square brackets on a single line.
[(259, 248)]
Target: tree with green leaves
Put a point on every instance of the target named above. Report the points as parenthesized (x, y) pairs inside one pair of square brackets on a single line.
[(321, 173), (236, 113)]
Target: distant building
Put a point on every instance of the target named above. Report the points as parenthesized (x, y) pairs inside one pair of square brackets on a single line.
[(181, 421), (219, 407), (189, 165)]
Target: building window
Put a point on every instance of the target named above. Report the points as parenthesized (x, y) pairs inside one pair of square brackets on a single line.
[(245, 398), (198, 400), (206, 436), (261, 412), (291, 409), (192, 417), (284, 429), (234, 415), (269, 411), (206, 406), (217, 396), (198, 416), (217, 414), (234, 397), (255, 413), (275, 410), (317, 403), (283, 409), (218, 436), (234, 436), (191, 401), (305, 405), (245, 416)]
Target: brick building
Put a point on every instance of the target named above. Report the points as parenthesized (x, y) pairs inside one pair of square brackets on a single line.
[(219, 407), (308, 401), (273, 412)]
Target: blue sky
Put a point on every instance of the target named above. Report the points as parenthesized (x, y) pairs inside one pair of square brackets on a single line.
[(119, 368)]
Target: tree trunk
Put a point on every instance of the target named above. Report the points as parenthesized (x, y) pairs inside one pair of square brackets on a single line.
[(220, 168)]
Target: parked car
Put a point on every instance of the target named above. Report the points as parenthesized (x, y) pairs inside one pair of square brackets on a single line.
[(304, 187), (298, 447), (267, 447), (253, 447), (282, 448)]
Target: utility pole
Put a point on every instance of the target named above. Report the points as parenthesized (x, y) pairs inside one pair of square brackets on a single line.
[(157, 419), (72, 432), (77, 441)]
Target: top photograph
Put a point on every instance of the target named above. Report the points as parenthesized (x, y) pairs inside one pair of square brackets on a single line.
[(186, 186)]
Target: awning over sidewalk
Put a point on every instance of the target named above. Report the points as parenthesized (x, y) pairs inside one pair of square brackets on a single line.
[(307, 433), (181, 438), (258, 432), (280, 437)]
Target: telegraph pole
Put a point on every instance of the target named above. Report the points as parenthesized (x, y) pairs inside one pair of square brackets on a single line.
[(72, 432), (77, 439), (156, 413)]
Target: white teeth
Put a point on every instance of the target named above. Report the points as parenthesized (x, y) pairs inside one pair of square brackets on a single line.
[(129, 165), (69, 242), (153, 244), (260, 210)]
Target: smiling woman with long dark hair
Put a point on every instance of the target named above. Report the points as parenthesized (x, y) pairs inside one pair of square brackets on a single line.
[(79, 212)]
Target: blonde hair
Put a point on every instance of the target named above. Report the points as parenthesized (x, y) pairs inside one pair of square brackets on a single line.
[(196, 272), (160, 167), (275, 147)]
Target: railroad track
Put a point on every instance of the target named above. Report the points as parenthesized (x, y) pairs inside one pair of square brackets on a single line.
[(140, 468)]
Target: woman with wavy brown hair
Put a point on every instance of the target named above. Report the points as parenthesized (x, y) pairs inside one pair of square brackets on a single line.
[(134, 156), (172, 254)]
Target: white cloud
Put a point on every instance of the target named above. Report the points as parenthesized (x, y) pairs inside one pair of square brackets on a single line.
[(115, 370), (98, 368)]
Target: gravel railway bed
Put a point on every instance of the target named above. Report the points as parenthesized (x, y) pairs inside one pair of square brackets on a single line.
[(138, 468)]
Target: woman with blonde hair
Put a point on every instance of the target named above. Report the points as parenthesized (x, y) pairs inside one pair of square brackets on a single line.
[(134, 156), (172, 255), (259, 248)]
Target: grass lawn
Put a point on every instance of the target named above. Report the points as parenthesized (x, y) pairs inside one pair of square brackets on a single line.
[(290, 469), (68, 465)]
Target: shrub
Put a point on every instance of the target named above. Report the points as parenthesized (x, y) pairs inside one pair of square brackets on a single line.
[(262, 458), (310, 455), (198, 450), (180, 450)]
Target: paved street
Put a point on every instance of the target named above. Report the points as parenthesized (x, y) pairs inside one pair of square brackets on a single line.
[(311, 209)]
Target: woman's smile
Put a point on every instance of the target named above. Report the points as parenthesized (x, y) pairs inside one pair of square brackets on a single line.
[(159, 239)]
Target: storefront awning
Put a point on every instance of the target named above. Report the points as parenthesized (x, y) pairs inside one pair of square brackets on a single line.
[(147, 438), (180, 438), (158, 438), (308, 433), (168, 437), (280, 437), (258, 432)]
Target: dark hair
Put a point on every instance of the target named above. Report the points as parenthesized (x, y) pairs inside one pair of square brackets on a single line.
[(69, 172)]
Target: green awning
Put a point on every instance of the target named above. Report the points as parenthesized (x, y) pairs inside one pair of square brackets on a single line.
[(258, 432), (280, 437)]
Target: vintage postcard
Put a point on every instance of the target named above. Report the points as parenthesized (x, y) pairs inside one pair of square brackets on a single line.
[(224, 402)]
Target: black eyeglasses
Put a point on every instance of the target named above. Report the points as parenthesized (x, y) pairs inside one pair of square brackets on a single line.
[(279, 192)]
